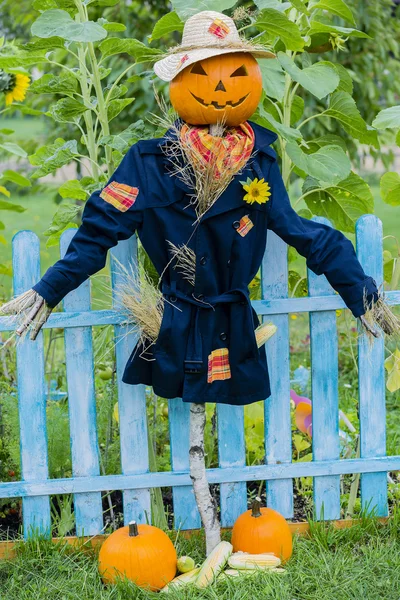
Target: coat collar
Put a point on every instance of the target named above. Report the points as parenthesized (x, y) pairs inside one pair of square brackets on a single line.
[(232, 197)]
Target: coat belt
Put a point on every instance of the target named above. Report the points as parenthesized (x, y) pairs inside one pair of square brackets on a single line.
[(194, 351)]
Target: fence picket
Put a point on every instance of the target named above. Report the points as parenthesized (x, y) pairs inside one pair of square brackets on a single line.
[(82, 406), (278, 431), (31, 392), (325, 403), (131, 398), (232, 453), (186, 514), (371, 374)]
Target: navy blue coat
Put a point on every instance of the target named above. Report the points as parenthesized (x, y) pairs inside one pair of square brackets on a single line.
[(217, 312)]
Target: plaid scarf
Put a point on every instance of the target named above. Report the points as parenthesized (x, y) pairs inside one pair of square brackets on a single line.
[(228, 153)]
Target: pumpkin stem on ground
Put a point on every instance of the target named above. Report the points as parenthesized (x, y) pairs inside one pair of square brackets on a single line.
[(204, 500), (255, 508), (133, 529)]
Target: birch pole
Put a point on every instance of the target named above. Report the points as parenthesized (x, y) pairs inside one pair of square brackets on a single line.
[(205, 502)]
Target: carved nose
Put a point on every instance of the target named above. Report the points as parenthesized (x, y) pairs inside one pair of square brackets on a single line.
[(220, 87)]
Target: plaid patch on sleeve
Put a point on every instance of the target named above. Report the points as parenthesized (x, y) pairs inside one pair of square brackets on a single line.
[(120, 195), (218, 365), (245, 224), (219, 28)]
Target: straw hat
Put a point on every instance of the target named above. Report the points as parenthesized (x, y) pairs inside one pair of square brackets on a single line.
[(206, 34)]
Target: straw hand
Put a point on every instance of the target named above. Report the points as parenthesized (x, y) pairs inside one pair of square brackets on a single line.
[(33, 309)]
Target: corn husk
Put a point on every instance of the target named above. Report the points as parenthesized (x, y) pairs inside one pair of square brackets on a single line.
[(264, 332), (214, 564), (184, 579), (243, 560)]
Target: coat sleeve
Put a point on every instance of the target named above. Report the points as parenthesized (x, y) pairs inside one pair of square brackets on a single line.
[(326, 249), (110, 215)]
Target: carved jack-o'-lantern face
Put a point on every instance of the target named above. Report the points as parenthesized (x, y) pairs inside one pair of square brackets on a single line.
[(224, 88)]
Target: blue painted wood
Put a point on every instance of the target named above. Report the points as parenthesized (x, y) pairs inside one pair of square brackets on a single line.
[(232, 453), (175, 478), (325, 402), (31, 392), (371, 374), (82, 406), (262, 307), (186, 514), (131, 398), (278, 434)]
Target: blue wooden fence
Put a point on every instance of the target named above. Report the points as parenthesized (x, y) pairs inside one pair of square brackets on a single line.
[(135, 480)]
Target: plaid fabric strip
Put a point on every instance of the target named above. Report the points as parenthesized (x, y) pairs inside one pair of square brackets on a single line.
[(232, 151), (120, 195), (218, 365), (245, 224), (219, 28)]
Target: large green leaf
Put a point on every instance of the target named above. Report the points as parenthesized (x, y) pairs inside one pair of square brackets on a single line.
[(336, 7), (342, 204), (111, 25), (44, 44), (267, 120), (276, 24), (53, 156), (129, 46), (301, 6), (343, 108), (15, 177), (320, 79), (56, 22), (297, 109), (13, 149), (12, 207), (329, 139), (390, 188), (167, 24), (388, 118), (63, 216), (66, 110), (273, 78), (122, 141), (319, 27), (65, 84), (276, 4), (72, 189), (11, 58), (116, 106), (328, 165), (187, 8), (346, 82)]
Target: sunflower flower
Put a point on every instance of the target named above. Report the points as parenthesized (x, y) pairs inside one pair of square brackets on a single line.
[(257, 191), (13, 86)]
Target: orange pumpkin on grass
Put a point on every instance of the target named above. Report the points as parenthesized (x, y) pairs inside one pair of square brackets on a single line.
[(225, 88), (262, 530), (143, 553)]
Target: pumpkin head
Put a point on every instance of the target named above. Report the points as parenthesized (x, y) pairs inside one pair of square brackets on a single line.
[(225, 88), (143, 553), (262, 530)]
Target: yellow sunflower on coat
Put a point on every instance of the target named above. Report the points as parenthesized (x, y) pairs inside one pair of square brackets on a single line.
[(13, 86), (258, 190)]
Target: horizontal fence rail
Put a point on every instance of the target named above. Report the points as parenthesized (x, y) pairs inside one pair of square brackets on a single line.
[(135, 480)]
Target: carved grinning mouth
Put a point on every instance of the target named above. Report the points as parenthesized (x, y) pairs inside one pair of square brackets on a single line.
[(219, 106)]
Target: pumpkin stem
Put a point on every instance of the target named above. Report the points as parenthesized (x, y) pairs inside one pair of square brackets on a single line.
[(133, 529), (255, 508)]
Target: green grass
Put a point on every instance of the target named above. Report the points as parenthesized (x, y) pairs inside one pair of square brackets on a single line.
[(362, 562)]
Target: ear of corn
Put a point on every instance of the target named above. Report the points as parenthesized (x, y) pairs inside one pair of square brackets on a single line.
[(264, 332), (214, 564), (184, 579), (242, 560)]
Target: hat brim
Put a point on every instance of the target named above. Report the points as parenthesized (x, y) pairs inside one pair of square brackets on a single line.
[(169, 67)]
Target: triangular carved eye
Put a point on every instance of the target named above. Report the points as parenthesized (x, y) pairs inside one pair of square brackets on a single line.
[(197, 69), (240, 72)]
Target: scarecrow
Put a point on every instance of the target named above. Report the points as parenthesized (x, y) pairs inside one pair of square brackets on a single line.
[(202, 199)]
